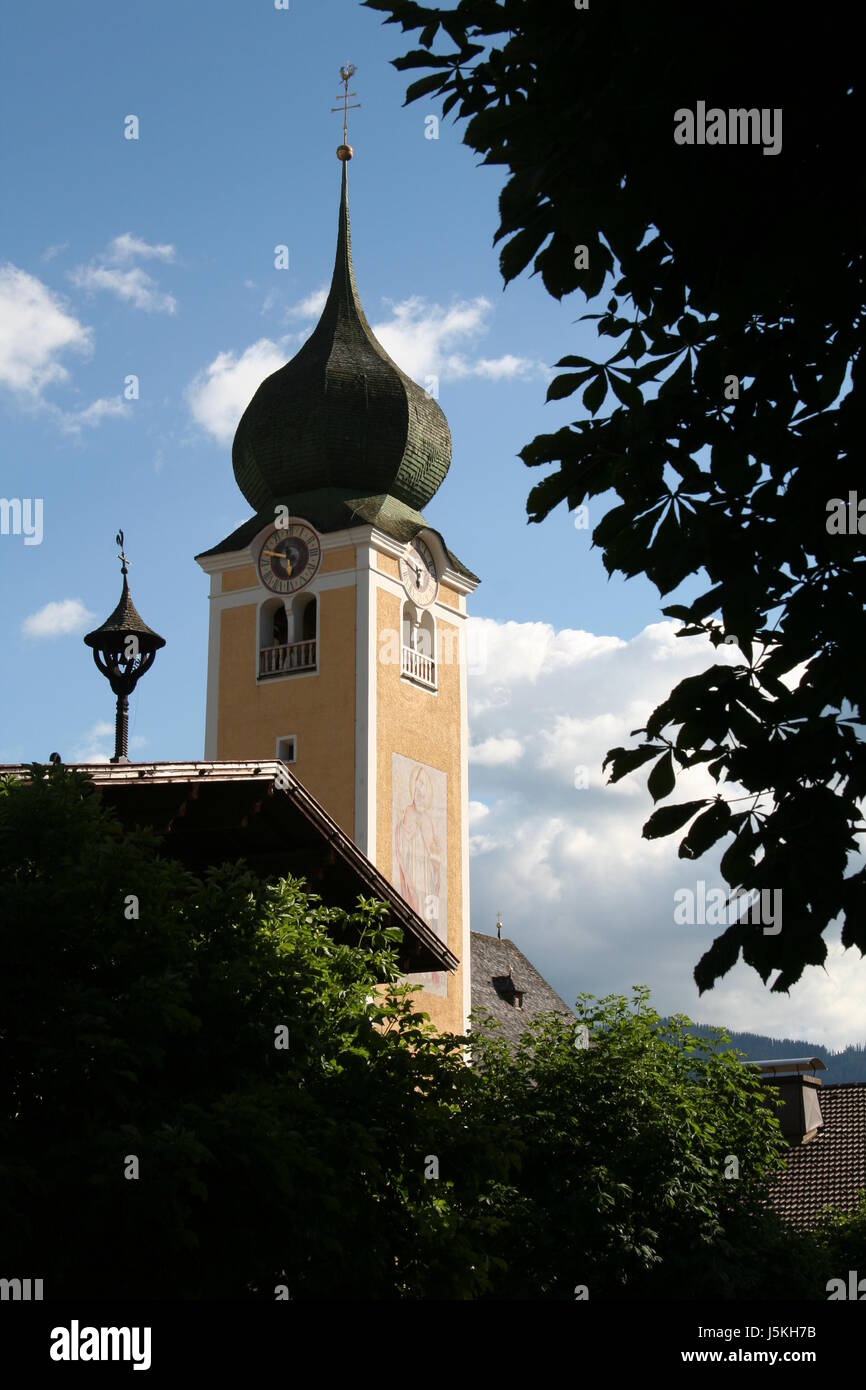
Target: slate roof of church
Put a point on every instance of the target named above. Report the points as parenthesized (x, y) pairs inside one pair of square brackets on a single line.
[(830, 1169), (493, 961)]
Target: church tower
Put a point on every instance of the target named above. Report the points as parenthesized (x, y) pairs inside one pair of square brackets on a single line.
[(338, 615)]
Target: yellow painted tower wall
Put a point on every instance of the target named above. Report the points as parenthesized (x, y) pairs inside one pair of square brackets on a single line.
[(426, 726), (320, 710)]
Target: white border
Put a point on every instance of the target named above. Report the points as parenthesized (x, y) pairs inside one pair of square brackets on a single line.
[(283, 738), (213, 669), (366, 711), (465, 958)]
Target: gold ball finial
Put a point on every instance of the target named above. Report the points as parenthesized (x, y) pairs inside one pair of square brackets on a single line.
[(345, 151)]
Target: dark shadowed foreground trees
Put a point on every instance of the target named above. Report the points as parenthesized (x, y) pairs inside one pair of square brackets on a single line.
[(732, 274), (155, 1038), (155, 1141)]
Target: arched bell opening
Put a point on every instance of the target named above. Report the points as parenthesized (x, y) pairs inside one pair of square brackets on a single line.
[(305, 618), (418, 645), (288, 635)]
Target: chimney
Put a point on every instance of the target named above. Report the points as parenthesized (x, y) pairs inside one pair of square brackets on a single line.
[(800, 1113)]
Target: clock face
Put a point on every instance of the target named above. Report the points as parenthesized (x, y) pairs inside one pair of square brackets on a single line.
[(418, 573), (289, 557)]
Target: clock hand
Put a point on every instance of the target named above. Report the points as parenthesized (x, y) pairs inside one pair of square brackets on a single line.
[(278, 555)]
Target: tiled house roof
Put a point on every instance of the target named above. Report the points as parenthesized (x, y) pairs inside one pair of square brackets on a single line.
[(500, 974), (830, 1169)]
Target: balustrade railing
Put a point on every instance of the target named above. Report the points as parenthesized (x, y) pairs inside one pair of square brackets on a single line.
[(418, 667), (293, 656)]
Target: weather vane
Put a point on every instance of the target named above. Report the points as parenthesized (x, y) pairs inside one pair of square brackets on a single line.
[(124, 563), (347, 72)]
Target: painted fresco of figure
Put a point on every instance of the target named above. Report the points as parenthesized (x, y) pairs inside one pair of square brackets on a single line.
[(417, 847)]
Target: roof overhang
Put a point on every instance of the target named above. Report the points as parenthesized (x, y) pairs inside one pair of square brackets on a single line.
[(340, 520), (210, 813), (789, 1066)]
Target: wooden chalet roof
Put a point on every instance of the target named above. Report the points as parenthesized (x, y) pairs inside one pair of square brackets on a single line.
[(214, 812)]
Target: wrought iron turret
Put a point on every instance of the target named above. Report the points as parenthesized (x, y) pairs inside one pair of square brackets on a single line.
[(124, 648)]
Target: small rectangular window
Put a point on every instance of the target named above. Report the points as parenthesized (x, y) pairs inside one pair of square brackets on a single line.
[(287, 749)]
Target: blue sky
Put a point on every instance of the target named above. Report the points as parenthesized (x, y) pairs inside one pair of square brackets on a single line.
[(155, 257)]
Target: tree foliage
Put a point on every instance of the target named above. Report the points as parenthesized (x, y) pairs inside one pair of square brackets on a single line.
[(725, 412), (310, 1167), (155, 1037), (625, 1180)]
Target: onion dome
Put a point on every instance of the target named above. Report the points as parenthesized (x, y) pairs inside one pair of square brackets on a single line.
[(341, 415)]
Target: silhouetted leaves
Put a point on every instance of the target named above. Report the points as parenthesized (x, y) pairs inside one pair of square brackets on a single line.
[(735, 281), (706, 831), (667, 819), (662, 779), (626, 760)]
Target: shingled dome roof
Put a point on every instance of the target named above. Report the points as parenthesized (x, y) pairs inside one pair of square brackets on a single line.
[(341, 414), (125, 620)]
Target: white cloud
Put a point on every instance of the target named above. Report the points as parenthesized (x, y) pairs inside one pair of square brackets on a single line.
[(127, 247), (311, 307), (112, 271), (62, 618), (220, 394), (134, 286), (419, 338), (35, 328), (496, 752), (51, 251), (545, 706), (425, 340), (93, 414), (494, 368), (97, 745)]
